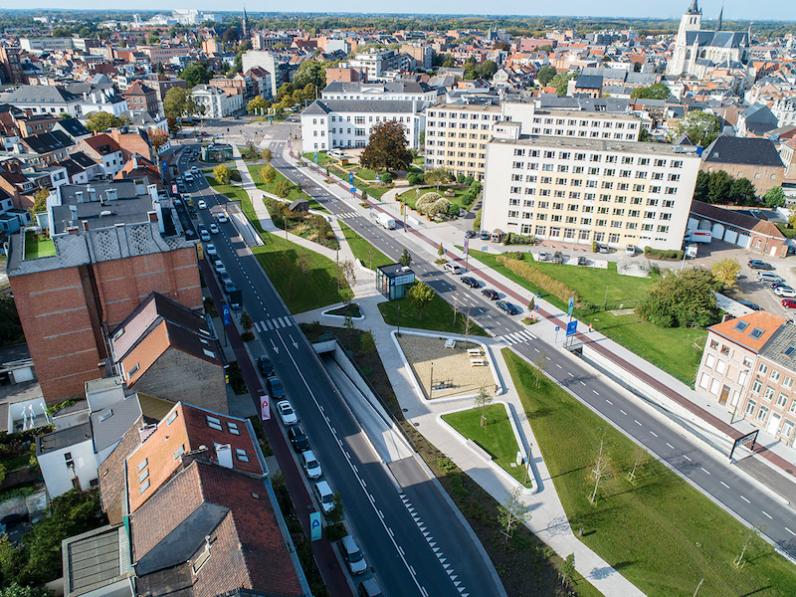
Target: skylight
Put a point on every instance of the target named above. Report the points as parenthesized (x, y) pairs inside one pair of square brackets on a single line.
[(741, 326), (756, 333)]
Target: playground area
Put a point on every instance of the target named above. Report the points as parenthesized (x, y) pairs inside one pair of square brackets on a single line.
[(447, 368)]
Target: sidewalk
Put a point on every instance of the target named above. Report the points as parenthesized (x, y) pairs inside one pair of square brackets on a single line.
[(547, 518)]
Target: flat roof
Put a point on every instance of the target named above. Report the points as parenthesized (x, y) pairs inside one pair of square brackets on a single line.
[(95, 560), (63, 438), (601, 145)]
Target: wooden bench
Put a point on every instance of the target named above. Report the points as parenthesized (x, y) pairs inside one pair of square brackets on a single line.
[(474, 352), (478, 363)]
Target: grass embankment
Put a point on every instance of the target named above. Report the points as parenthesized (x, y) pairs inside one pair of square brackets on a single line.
[(496, 436), (437, 316), (365, 252), (660, 532), (675, 350), (525, 564), (306, 225), (294, 194), (37, 246), (230, 190)]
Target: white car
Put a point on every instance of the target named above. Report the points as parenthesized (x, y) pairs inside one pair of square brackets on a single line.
[(214, 229), (286, 413), (222, 217), (202, 204), (353, 555), (311, 465), (785, 291), (211, 249), (194, 170), (220, 267)]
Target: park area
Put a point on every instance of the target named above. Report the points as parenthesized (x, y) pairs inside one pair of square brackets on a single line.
[(661, 533), (446, 368), (313, 227), (607, 299), (437, 316)]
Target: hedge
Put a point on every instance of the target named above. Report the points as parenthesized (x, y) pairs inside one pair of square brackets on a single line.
[(664, 254), (538, 278)]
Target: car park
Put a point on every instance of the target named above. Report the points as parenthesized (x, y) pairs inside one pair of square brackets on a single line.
[(785, 291), (311, 465), (276, 387), (298, 439), (789, 303), (508, 308), (353, 555), (454, 268), (471, 282), (492, 295), (265, 367), (214, 229), (286, 413), (202, 204), (220, 267), (211, 249), (760, 264), (325, 496)]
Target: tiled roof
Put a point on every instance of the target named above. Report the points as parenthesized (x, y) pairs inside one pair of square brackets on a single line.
[(747, 151), (751, 331), (735, 218), (781, 349)]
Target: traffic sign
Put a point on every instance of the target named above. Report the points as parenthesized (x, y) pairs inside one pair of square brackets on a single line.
[(315, 526), (572, 327), (226, 314), (571, 306)]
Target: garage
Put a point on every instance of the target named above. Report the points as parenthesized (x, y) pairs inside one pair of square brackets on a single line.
[(743, 240), (718, 230), (731, 236)]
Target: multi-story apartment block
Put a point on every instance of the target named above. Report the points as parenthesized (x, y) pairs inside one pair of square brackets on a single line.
[(330, 124), (400, 90), (376, 63), (578, 190), (110, 245), (748, 366), (457, 134)]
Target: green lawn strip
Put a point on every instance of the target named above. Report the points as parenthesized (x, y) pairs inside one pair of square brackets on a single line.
[(305, 279), (230, 191), (349, 310), (411, 196), (437, 316), (372, 190), (37, 246), (270, 187), (496, 437), (660, 532), (313, 227), (365, 252), (675, 350), (323, 157)]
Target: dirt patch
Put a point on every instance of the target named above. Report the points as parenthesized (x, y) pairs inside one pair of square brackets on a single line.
[(455, 372)]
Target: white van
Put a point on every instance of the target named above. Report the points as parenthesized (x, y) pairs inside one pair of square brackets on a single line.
[(353, 555), (454, 268), (325, 496)]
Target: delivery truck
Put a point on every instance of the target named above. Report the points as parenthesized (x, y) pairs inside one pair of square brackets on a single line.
[(385, 221)]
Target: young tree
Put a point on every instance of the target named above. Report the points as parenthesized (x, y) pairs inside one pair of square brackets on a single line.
[(726, 272), (437, 177), (774, 197), (421, 295), (440, 250), (266, 154), (101, 121), (257, 105), (512, 512), (406, 258), (639, 460), (348, 275), (282, 188), (740, 559), (482, 400), (532, 304), (222, 174), (701, 127), (268, 173), (387, 148), (598, 471), (568, 571)]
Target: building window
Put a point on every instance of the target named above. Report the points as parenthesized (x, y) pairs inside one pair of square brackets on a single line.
[(761, 414), (171, 417), (769, 393), (756, 387), (750, 407), (775, 375), (214, 423), (242, 455), (233, 428)]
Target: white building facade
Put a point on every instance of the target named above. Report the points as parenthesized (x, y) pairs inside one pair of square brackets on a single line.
[(212, 102)]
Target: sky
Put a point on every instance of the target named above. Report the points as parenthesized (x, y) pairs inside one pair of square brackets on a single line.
[(759, 10)]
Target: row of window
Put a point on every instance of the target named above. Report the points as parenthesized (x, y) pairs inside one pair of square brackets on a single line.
[(585, 234), (590, 184), (608, 158)]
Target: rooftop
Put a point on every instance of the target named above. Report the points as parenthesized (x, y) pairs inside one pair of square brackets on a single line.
[(364, 105), (95, 560), (63, 438), (751, 331), (747, 151), (781, 349)]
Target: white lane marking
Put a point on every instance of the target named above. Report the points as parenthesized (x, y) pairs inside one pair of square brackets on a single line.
[(257, 326), (687, 457), (744, 498), (791, 532), (560, 367), (637, 422), (583, 383), (767, 515), (596, 392), (724, 485), (623, 412), (704, 470), (570, 374), (653, 434), (609, 402), (670, 445)]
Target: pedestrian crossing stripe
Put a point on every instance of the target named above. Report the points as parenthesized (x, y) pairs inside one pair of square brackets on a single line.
[(518, 337), (348, 215), (274, 324)]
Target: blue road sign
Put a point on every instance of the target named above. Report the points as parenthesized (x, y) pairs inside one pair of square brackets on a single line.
[(315, 157), (572, 327), (571, 306), (315, 526), (226, 314), (351, 178)]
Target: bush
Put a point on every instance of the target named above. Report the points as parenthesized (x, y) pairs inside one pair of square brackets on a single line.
[(268, 173), (664, 254), (685, 298), (283, 188), (426, 200), (512, 238), (460, 178), (234, 175), (439, 207), (414, 178), (538, 278), (386, 178)]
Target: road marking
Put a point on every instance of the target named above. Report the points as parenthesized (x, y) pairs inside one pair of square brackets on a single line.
[(257, 326), (560, 367), (583, 383), (767, 515), (704, 470), (653, 434), (724, 484), (744, 498), (637, 423), (671, 447), (536, 349), (596, 392), (623, 412), (401, 549), (570, 374), (791, 532), (687, 457), (609, 402)]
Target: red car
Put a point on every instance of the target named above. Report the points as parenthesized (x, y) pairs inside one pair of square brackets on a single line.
[(789, 303)]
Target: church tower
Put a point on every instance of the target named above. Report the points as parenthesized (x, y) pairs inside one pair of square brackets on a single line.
[(245, 24), (690, 21)]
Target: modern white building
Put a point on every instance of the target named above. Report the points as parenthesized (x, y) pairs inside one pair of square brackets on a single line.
[(212, 102), (67, 460), (581, 191), (400, 90), (330, 124), (376, 63)]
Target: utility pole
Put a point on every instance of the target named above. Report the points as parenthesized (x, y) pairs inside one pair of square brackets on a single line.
[(431, 381)]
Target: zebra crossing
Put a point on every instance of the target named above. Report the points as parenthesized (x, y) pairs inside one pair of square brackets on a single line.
[(518, 337), (348, 215), (274, 324)]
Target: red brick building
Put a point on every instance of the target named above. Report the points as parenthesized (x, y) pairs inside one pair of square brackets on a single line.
[(141, 98)]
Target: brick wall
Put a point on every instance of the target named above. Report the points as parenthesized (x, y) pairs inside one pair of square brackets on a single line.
[(111, 473)]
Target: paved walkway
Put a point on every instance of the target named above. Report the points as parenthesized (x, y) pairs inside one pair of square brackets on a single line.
[(546, 516)]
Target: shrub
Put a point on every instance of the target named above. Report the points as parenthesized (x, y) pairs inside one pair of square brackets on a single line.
[(425, 201), (536, 277), (268, 173), (460, 178), (234, 175), (283, 188), (439, 207), (414, 178), (664, 254), (386, 178), (247, 336)]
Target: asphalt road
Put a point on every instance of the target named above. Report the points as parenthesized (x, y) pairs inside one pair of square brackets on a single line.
[(436, 556), (720, 481)]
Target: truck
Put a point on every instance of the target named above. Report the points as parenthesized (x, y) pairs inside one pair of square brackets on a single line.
[(699, 236), (385, 221)]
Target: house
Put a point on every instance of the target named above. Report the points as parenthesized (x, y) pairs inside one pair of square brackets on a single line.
[(47, 148), (589, 85), (746, 157), (103, 149), (738, 228), (67, 460), (98, 562), (141, 98), (756, 121), (213, 103), (43, 99)]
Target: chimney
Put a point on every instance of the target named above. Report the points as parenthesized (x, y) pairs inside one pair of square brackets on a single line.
[(224, 455), (72, 229), (153, 216), (85, 225)]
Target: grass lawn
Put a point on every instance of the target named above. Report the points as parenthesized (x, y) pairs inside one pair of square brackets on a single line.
[(372, 189), (37, 246), (231, 191), (349, 310), (270, 187), (411, 196), (496, 437), (660, 532), (437, 316), (675, 350), (304, 279), (369, 255), (323, 158), (306, 225)]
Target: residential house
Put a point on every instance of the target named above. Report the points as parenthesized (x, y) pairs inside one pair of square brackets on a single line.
[(103, 149), (746, 157), (141, 98)]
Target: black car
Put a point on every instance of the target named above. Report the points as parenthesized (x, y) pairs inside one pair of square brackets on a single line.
[(265, 366), (749, 304), (276, 388), (298, 438), (470, 281), (492, 295), (469, 234), (760, 264), (484, 235), (508, 308)]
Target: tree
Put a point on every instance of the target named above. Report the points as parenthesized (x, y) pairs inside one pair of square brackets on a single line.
[(348, 275), (511, 512), (16, 590), (740, 559), (568, 569), (266, 154), (682, 299), (196, 73), (406, 258), (560, 82), (482, 400), (101, 121), (546, 74), (658, 91), (178, 102), (282, 188), (386, 149), (438, 176), (258, 104), (440, 250), (702, 187), (39, 201), (599, 470), (222, 174), (726, 272), (421, 294), (701, 127), (158, 138), (719, 186), (742, 191), (268, 173), (774, 197)]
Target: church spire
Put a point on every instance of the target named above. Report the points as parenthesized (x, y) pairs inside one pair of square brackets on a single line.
[(245, 23), (721, 19), (694, 8)]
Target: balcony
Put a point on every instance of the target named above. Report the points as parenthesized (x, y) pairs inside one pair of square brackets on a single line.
[(38, 246)]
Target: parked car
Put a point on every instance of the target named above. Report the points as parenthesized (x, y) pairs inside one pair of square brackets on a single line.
[(583, 260), (484, 235), (287, 415), (777, 284), (370, 588), (630, 250), (454, 268), (204, 234), (785, 291), (220, 267), (508, 308), (202, 204), (760, 264), (492, 295), (469, 233), (471, 282), (276, 387), (353, 555), (222, 217), (194, 170), (325, 496), (214, 229), (789, 303), (211, 249), (769, 277), (298, 439), (311, 465), (229, 286), (265, 366), (749, 304)]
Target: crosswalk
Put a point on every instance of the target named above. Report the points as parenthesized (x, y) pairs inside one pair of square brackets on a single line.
[(348, 215), (274, 324), (518, 337)]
